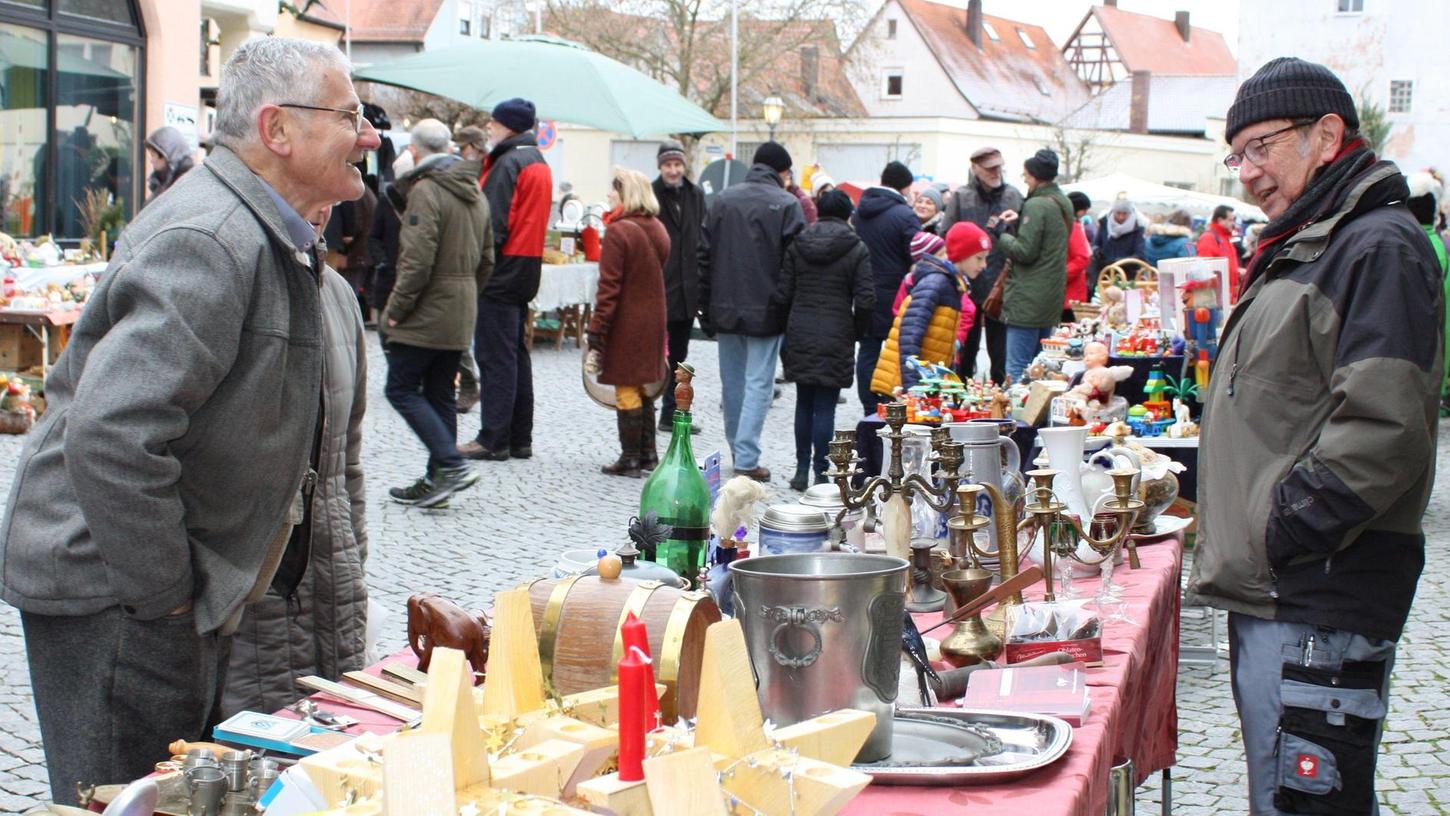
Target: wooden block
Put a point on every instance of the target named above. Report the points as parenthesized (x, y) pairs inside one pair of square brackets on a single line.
[(599, 744), (418, 776), (729, 720), (684, 783), (405, 674), (488, 801), (411, 696), (812, 788), (616, 797), (515, 681), (448, 709), (835, 737), (368, 807), (599, 706), (353, 768), (542, 770)]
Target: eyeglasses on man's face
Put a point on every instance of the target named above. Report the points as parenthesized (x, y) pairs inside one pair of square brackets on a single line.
[(1257, 149), (354, 115)]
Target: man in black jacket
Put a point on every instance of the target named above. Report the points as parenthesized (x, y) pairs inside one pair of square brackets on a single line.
[(742, 246), (682, 207), (887, 223), (980, 201)]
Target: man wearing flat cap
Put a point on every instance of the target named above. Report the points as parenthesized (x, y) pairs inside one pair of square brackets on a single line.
[(1318, 444), (982, 200), (682, 208)]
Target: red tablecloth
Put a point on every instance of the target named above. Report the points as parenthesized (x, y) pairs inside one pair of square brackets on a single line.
[(1134, 713)]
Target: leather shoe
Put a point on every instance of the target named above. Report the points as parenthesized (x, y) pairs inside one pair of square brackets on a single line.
[(473, 450), (524, 452), (760, 473)]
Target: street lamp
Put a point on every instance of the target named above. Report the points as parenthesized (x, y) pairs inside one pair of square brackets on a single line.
[(773, 108)]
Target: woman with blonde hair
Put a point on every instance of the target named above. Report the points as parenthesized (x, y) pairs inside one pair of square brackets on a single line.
[(627, 332)]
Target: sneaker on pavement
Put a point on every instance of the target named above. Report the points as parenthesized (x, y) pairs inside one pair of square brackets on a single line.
[(413, 493), (473, 450), (448, 482)]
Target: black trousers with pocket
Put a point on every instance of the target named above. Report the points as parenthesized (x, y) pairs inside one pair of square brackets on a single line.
[(112, 691)]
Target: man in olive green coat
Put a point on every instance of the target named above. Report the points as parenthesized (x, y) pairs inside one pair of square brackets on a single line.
[(444, 261), (1033, 296)]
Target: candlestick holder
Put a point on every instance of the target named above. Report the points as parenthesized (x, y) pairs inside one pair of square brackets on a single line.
[(895, 489), (1046, 515)]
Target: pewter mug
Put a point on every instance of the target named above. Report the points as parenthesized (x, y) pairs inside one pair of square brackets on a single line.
[(824, 632), (208, 787)]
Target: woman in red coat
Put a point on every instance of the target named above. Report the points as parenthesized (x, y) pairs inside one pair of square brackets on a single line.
[(627, 332)]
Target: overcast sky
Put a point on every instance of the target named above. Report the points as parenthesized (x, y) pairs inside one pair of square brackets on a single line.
[(1060, 17)]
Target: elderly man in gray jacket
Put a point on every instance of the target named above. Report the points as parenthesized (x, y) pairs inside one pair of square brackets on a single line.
[(158, 495)]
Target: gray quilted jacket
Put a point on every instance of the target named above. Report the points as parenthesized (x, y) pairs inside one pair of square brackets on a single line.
[(320, 631)]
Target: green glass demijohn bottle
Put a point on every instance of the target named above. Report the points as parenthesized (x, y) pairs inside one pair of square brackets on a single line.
[(677, 492)]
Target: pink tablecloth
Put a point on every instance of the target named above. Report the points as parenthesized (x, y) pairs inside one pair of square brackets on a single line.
[(1134, 713)]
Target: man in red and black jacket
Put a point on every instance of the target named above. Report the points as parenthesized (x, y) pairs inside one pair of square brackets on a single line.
[(518, 185)]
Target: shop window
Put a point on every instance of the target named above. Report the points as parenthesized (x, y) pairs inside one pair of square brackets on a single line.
[(23, 106), (109, 11), (40, 4), (95, 135), (1402, 92), (1351, 6)]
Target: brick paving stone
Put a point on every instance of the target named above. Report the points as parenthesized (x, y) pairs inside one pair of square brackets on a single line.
[(521, 515)]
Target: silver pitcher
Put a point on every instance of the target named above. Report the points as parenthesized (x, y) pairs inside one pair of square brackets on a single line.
[(824, 632)]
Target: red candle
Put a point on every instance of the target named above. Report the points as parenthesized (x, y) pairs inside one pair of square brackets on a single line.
[(636, 677), (636, 637)]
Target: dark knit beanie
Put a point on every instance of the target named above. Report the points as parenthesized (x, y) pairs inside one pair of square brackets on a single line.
[(835, 204), (670, 150), (897, 176), (1042, 165), (772, 155), (1289, 88), (515, 114), (1080, 201)]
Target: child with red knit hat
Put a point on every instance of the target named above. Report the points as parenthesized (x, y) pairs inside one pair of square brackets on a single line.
[(967, 247)]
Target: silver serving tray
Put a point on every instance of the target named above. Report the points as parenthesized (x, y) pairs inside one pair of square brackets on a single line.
[(925, 752)]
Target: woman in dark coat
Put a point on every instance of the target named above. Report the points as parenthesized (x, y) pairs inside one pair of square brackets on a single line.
[(826, 285), (627, 332)]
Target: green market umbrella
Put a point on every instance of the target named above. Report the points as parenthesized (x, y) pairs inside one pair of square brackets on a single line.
[(565, 81)]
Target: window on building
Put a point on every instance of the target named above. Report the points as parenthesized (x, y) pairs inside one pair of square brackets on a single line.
[(1351, 6), (485, 24), (891, 87), (1041, 86), (890, 29), (1026, 40), (991, 32), (465, 17), (69, 144), (1402, 92)]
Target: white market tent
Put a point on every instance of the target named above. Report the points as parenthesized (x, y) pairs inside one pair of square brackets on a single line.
[(1158, 199)]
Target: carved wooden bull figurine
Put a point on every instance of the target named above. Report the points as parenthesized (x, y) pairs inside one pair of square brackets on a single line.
[(435, 621)]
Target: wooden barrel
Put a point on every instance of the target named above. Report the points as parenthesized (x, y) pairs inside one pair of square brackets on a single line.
[(578, 621)]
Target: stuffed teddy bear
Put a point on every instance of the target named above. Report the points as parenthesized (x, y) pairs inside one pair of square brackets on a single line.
[(1115, 310), (1095, 393)]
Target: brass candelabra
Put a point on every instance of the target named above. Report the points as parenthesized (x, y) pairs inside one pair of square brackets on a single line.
[(1046, 514), (896, 490)]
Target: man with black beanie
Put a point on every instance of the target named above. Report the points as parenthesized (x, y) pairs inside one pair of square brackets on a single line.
[(1033, 295), (682, 206), (886, 222), (1317, 451), (742, 245)]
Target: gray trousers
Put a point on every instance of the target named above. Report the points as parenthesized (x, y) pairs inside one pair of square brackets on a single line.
[(1312, 703), (112, 692)]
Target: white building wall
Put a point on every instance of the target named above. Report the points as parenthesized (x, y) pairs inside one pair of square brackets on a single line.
[(926, 88), (1389, 40)]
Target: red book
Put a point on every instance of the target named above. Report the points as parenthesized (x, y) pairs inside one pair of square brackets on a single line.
[(1057, 691)]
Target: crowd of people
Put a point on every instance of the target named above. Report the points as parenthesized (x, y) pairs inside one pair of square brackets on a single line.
[(186, 528)]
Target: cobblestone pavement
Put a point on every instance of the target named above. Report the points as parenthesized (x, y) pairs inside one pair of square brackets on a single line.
[(521, 514)]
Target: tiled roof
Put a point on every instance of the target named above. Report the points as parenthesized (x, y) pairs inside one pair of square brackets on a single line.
[(1146, 43), (322, 11), (1004, 79), (1176, 104), (392, 20)]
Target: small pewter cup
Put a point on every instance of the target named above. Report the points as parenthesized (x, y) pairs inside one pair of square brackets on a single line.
[(234, 765), (208, 787)]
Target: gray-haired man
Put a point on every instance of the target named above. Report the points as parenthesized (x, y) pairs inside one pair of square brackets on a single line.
[(158, 495)]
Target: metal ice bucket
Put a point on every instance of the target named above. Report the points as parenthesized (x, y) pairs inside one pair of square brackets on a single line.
[(824, 632)]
